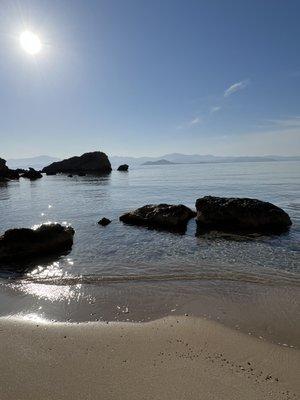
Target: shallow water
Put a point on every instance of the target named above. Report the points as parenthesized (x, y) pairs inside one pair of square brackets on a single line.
[(152, 271), (120, 251)]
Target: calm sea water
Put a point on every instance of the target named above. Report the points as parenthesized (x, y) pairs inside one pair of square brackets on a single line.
[(120, 252)]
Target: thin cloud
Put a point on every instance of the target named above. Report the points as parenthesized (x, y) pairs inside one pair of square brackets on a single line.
[(215, 109), (291, 122), (236, 87), (195, 121)]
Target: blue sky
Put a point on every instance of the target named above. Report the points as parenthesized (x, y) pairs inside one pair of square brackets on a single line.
[(134, 77)]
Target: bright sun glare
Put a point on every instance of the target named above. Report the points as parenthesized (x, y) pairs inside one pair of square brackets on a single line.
[(30, 42)]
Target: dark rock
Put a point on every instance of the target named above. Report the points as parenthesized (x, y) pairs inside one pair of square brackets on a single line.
[(3, 164), (6, 173), (70, 176), (32, 174), (240, 214), (104, 221), (160, 216), (27, 244), (50, 173), (20, 170), (95, 162), (81, 174), (123, 167)]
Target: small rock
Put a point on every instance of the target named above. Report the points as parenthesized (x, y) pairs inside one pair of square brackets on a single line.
[(123, 168), (104, 221)]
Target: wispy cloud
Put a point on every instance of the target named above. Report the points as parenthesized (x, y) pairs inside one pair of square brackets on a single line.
[(290, 122), (236, 87), (215, 109), (189, 124), (195, 121)]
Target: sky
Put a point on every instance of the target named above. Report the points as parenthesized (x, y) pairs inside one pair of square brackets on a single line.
[(140, 77)]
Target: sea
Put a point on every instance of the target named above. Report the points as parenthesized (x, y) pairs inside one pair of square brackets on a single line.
[(151, 273)]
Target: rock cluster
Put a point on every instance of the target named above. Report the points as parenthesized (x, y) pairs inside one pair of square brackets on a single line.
[(7, 174), (32, 174)]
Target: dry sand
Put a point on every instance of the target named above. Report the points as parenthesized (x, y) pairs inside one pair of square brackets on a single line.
[(171, 358)]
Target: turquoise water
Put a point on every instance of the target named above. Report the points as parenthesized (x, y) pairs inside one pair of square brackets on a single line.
[(120, 252)]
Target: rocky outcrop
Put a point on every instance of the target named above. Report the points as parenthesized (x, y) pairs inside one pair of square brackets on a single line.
[(6, 173), (104, 221), (26, 244), (123, 167), (95, 162), (160, 216), (32, 174), (2, 164), (240, 214), (20, 170)]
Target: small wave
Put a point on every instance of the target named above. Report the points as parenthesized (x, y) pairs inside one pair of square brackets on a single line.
[(275, 280)]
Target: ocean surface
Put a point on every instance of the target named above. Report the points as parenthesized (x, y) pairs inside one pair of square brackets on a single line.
[(119, 252), (122, 272)]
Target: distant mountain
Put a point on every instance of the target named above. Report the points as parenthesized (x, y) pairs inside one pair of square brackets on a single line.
[(159, 162), (178, 158), (175, 158), (38, 162)]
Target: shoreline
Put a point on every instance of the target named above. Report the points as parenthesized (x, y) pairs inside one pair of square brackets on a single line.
[(254, 309), (171, 358)]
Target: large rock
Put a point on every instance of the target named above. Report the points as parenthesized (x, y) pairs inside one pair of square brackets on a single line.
[(160, 216), (123, 168), (95, 162), (26, 244), (6, 173), (32, 174), (240, 214)]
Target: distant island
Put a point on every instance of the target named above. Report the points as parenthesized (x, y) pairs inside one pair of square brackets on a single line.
[(159, 162), (40, 162)]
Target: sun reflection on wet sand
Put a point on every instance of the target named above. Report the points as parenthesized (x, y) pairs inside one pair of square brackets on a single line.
[(52, 292)]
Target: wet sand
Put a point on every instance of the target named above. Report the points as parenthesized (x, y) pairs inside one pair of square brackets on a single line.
[(170, 358), (261, 310)]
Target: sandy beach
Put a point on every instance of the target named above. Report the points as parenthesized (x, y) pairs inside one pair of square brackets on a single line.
[(170, 358)]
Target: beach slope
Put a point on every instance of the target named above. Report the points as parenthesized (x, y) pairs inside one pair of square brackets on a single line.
[(170, 358)]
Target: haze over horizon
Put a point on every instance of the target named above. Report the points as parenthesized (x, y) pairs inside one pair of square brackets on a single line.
[(144, 79)]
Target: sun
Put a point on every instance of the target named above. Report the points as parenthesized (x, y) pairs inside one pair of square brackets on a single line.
[(30, 42)]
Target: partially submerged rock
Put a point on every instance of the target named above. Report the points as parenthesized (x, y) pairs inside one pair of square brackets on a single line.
[(240, 214), (26, 244), (94, 162), (104, 221), (32, 174), (123, 167), (160, 216), (7, 173)]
